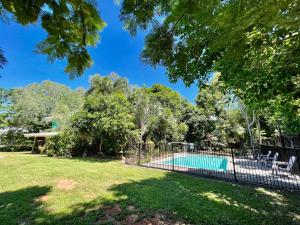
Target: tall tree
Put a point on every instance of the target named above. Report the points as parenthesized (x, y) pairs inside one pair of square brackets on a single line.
[(250, 121), (105, 85), (168, 98), (166, 124), (254, 44), (71, 25), (166, 127), (33, 104), (211, 103), (5, 104), (105, 122), (144, 109), (199, 125)]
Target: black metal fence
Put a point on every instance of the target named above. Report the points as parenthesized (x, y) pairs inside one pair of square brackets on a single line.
[(269, 167)]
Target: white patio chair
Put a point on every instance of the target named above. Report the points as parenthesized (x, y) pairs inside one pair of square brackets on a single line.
[(264, 158), (284, 166), (272, 160)]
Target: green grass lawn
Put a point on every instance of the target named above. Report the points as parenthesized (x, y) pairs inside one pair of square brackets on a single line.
[(36, 189)]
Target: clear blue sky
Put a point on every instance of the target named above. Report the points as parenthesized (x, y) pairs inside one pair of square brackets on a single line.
[(117, 52)]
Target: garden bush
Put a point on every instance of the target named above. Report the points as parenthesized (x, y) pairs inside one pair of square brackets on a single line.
[(66, 144), (14, 141)]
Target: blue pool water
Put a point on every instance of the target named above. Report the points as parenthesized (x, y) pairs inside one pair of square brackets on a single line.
[(199, 162)]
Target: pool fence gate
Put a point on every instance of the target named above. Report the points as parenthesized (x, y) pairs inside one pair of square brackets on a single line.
[(276, 167)]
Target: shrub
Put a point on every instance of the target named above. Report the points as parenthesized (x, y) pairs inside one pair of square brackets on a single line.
[(13, 140), (106, 123), (66, 144)]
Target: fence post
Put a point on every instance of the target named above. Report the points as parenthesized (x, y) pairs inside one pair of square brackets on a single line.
[(172, 157), (139, 157), (126, 153), (232, 156), (297, 153)]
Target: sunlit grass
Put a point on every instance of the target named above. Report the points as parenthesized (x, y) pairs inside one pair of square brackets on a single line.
[(36, 189)]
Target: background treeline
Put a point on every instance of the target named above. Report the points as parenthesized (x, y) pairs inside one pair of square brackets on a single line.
[(112, 113)]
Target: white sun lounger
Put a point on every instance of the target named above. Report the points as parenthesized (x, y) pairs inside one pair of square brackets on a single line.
[(284, 166)]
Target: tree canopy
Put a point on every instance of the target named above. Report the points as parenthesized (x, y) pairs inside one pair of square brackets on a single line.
[(4, 107), (72, 26), (36, 105), (111, 113), (254, 44)]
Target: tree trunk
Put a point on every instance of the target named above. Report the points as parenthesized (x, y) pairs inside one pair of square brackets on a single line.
[(281, 137), (100, 146), (258, 130), (142, 125), (249, 125)]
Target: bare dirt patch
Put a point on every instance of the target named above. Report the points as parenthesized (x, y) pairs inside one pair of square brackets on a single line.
[(131, 208), (106, 220), (114, 210), (132, 216), (44, 198), (159, 219), (131, 219), (110, 215), (66, 184)]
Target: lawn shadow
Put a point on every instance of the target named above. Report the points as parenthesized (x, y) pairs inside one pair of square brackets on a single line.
[(172, 199), (206, 201), (94, 159), (22, 206), (182, 199), (91, 159)]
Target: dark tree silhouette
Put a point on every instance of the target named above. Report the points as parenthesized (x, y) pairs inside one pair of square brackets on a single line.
[(3, 60)]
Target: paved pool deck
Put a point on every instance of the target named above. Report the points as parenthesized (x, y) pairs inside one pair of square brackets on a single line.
[(246, 171)]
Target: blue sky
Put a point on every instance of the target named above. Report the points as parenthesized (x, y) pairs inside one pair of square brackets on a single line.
[(117, 52)]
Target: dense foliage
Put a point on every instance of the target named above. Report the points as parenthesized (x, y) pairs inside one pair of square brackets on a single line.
[(13, 140), (4, 107), (72, 26), (32, 109), (111, 113), (254, 44), (36, 105), (106, 121), (68, 143)]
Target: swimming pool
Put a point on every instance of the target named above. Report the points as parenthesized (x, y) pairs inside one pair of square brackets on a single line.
[(199, 162)]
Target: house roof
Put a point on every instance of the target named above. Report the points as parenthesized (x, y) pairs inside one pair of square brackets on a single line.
[(41, 134)]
